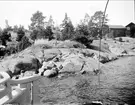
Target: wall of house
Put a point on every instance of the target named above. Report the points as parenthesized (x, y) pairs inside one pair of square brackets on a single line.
[(116, 33)]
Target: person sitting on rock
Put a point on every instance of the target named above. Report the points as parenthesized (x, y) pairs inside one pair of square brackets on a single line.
[(5, 75)]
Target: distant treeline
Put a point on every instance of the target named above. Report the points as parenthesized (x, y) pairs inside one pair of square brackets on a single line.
[(88, 29)]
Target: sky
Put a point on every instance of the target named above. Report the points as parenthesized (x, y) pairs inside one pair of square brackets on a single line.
[(120, 12)]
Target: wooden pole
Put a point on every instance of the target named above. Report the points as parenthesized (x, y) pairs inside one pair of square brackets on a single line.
[(31, 93), (134, 11), (100, 41)]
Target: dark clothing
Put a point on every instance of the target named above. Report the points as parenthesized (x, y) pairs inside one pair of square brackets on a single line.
[(9, 73)]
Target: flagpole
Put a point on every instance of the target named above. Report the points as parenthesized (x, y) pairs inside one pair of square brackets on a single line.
[(134, 10)]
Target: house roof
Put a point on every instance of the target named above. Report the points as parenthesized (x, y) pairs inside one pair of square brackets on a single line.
[(116, 26), (130, 24)]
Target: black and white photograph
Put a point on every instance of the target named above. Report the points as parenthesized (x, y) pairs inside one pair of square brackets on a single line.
[(67, 52)]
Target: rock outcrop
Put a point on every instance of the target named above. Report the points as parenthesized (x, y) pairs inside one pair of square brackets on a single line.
[(21, 64), (74, 70), (66, 60)]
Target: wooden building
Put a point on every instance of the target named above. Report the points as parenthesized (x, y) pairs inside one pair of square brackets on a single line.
[(116, 31), (130, 29)]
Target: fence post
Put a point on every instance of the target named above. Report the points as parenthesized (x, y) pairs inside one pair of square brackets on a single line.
[(9, 90)]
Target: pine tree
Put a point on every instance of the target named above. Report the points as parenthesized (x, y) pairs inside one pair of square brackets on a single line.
[(86, 19), (37, 21), (50, 22), (67, 28)]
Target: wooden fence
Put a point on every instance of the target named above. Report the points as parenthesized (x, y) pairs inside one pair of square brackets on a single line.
[(17, 92)]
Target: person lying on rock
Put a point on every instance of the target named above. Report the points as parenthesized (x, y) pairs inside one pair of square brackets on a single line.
[(47, 66), (50, 73), (51, 65), (50, 68)]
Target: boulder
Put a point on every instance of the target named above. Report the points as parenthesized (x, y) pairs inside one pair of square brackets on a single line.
[(103, 58), (131, 53), (44, 54), (68, 67), (112, 56), (117, 50), (22, 63), (73, 63), (50, 54), (104, 46), (91, 65)]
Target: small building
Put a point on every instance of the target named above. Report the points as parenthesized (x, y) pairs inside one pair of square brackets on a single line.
[(130, 29), (116, 31)]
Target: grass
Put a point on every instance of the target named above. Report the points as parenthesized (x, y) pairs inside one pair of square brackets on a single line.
[(59, 44), (41, 41)]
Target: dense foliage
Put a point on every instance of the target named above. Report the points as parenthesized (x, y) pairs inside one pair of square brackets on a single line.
[(42, 33), (20, 34), (23, 44), (5, 36)]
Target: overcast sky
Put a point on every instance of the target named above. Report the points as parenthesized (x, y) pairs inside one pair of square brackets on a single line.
[(120, 12)]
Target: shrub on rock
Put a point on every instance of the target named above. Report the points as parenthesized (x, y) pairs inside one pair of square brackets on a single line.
[(84, 40), (120, 39), (23, 44)]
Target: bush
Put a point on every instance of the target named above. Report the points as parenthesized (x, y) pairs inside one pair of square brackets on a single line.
[(20, 34), (84, 40), (4, 37), (120, 39), (33, 34), (23, 44), (127, 40), (49, 33), (11, 50), (2, 51)]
